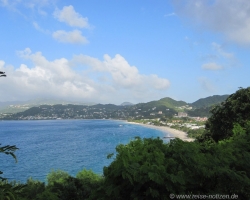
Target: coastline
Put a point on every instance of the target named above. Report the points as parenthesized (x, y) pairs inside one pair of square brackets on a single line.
[(169, 132)]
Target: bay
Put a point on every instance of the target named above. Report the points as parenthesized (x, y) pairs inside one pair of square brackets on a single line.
[(68, 145)]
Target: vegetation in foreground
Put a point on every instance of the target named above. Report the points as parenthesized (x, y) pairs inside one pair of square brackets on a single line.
[(216, 163)]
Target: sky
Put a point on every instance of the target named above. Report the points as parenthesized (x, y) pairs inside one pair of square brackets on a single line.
[(114, 51)]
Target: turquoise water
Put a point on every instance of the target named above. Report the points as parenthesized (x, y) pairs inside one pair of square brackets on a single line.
[(69, 145)]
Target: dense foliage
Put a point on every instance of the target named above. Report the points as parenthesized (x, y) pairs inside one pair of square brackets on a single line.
[(200, 112), (150, 169), (218, 163), (236, 109), (7, 191)]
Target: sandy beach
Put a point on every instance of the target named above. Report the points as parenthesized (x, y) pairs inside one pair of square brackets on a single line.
[(169, 132)]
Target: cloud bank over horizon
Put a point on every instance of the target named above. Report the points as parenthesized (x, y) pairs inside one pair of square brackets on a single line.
[(111, 80)]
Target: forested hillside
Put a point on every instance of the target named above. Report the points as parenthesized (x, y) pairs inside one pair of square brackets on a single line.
[(165, 107), (167, 101), (209, 101)]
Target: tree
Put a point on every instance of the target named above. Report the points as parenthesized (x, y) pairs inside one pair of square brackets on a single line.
[(89, 181), (235, 109), (58, 176), (8, 150), (68, 187), (150, 169)]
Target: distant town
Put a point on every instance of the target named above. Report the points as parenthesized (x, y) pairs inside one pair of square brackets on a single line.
[(190, 118), (99, 111)]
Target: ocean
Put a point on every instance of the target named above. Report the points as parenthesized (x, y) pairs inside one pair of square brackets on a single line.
[(68, 145)]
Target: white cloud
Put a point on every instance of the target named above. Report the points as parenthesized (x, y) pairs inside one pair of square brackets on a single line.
[(221, 56), (228, 59), (111, 80), (170, 15), (71, 17), (45, 78), (158, 83), (228, 17), (211, 66), (73, 37), (123, 75), (2, 63), (37, 27), (220, 50)]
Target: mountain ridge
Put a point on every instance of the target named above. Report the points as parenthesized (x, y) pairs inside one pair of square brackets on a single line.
[(209, 101), (18, 106)]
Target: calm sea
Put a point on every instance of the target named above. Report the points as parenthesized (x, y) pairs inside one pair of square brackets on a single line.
[(69, 145)]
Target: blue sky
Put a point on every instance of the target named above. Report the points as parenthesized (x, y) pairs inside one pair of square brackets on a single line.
[(112, 51)]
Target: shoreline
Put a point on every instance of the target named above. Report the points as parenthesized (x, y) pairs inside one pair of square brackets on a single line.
[(169, 132)]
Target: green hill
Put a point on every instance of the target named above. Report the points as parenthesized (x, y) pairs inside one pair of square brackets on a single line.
[(20, 106), (209, 101), (167, 101), (165, 106), (200, 112)]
